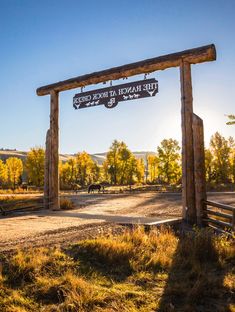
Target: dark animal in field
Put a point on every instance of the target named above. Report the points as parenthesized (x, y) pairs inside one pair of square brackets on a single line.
[(24, 186), (93, 187)]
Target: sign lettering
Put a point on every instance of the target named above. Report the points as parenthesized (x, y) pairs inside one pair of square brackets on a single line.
[(111, 96)]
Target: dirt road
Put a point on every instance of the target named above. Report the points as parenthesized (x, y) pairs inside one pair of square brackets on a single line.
[(93, 209)]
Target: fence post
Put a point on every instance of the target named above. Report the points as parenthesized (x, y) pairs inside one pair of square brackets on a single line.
[(233, 220)]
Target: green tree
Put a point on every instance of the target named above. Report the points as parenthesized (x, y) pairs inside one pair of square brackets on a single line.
[(152, 167), (140, 170), (121, 166), (169, 161), (209, 165), (231, 120), (14, 170), (72, 173), (232, 158), (112, 163), (126, 160), (35, 166), (67, 173), (134, 170), (232, 165), (79, 170), (131, 170), (86, 169), (220, 150), (95, 174), (3, 173)]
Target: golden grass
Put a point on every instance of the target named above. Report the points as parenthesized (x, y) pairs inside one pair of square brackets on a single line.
[(12, 202), (66, 204), (136, 271)]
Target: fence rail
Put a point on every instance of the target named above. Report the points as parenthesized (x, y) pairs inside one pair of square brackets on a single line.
[(28, 204), (221, 219)]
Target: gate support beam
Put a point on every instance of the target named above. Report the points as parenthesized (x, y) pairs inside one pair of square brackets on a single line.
[(199, 168), (188, 191), (54, 152), (192, 56)]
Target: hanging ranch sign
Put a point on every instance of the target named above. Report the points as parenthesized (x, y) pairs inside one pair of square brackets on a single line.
[(112, 95)]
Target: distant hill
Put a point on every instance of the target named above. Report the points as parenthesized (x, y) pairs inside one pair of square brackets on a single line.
[(99, 157), (4, 154)]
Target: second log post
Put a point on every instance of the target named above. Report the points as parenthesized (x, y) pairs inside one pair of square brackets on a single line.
[(199, 168)]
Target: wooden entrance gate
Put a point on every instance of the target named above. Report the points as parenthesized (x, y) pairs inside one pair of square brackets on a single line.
[(193, 174)]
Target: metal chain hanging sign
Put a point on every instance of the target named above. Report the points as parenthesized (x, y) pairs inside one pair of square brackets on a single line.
[(111, 96)]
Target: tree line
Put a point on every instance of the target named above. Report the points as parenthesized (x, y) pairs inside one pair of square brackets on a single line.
[(121, 167)]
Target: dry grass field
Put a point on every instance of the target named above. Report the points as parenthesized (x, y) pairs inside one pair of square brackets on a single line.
[(130, 272), (80, 260)]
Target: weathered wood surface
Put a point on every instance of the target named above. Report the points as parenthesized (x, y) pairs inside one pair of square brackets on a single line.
[(221, 206), (233, 219), (46, 171), (188, 188), (199, 168), (218, 222), (192, 56), (54, 152), (219, 214)]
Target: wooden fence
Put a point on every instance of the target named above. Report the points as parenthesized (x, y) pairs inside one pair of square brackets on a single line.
[(219, 216), (26, 205)]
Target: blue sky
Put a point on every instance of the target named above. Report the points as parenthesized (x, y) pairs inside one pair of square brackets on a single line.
[(42, 42)]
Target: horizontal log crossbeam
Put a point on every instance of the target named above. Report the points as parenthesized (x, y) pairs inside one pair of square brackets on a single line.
[(192, 56)]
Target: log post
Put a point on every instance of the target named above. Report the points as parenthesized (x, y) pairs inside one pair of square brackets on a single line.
[(188, 190), (54, 152), (199, 168), (46, 171), (233, 220)]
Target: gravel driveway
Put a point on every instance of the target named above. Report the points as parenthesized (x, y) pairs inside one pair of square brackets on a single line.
[(95, 209)]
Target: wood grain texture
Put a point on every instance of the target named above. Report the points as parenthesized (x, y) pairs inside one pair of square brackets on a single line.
[(54, 152), (192, 56), (199, 168), (46, 171), (188, 188)]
